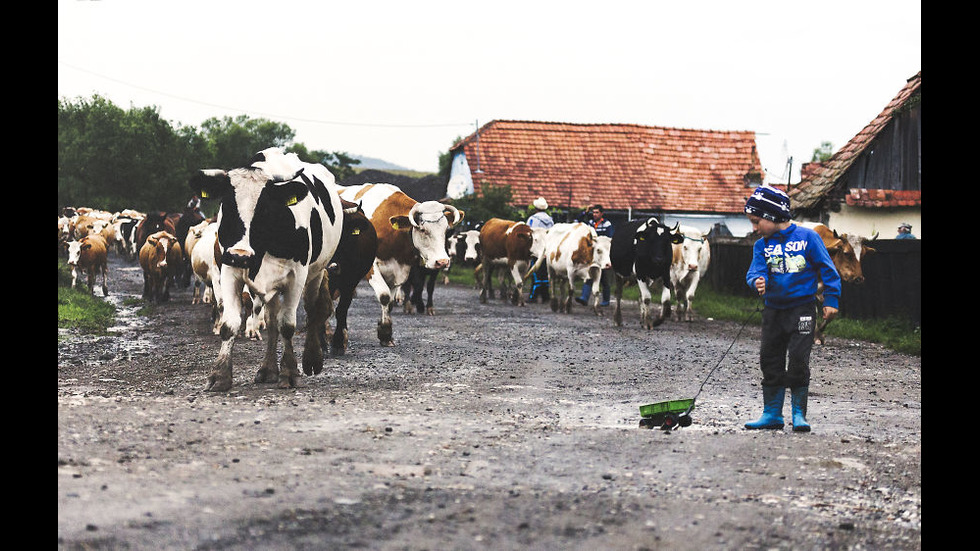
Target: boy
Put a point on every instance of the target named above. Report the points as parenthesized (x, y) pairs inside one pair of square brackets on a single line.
[(788, 262)]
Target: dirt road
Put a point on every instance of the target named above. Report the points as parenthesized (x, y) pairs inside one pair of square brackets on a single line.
[(485, 427)]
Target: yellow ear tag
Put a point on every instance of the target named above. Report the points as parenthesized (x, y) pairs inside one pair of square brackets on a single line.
[(394, 225), (204, 194), (292, 201), (357, 231)]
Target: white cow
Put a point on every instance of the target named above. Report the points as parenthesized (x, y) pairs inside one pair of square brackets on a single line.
[(690, 261), (573, 251)]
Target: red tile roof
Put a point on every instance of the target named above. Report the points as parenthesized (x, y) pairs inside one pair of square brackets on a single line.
[(816, 185), (618, 165)]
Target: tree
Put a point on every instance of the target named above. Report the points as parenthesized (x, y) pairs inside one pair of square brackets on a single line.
[(233, 141), (823, 153), (340, 164), (114, 159), (493, 202)]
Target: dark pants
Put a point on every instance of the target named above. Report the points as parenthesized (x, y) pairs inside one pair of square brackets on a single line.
[(787, 338)]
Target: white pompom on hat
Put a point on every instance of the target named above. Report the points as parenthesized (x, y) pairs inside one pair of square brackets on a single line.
[(540, 204)]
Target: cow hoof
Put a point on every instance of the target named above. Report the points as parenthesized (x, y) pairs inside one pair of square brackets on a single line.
[(218, 384), (266, 376)]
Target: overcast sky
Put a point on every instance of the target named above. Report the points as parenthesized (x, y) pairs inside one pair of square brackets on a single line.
[(400, 80)]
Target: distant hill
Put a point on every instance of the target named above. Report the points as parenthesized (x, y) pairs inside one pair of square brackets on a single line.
[(377, 164)]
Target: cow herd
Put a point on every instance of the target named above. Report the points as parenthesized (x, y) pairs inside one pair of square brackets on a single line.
[(286, 233)]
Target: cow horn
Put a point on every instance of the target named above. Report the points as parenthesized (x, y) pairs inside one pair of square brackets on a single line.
[(413, 215), (456, 216), (874, 236)]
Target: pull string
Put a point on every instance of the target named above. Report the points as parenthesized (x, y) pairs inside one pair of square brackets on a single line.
[(744, 323)]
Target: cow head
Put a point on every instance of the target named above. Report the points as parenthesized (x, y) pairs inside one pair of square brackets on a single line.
[(260, 213), (429, 222), (653, 244), (600, 254), (164, 243), (847, 251), (688, 252), (75, 249)]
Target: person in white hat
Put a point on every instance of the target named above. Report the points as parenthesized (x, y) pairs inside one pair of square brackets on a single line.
[(539, 281)]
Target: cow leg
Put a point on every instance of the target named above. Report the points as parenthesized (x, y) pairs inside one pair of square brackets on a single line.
[(689, 297), (818, 337), (339, 342), (518, 292), (618, 293), (105, 280), (555, 289), (664, 306), (269, 371), (383, 294), (595, 276), (645, 303), (220, 378), (430, 287), (74, 280), (487, 290), (90, 273), (318, 306)]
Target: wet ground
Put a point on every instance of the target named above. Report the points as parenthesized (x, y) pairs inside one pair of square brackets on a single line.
[(485, 427)]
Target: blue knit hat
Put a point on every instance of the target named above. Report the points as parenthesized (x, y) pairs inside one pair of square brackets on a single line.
[(769, 203)]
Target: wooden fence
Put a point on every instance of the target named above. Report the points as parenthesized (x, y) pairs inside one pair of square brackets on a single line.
[(892, 286)]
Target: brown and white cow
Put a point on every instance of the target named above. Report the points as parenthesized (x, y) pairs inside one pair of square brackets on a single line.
[(89, 256), (847, 252), (689, 263), (505, 243), (160, 258), (409, 233), (573, 251)]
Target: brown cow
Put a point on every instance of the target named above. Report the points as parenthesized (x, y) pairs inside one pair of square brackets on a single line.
[(409, 233), (847, 252), (160, 257), (510, 244), (89, 255), (152, 223)]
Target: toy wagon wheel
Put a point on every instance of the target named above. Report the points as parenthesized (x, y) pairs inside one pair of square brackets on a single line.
[(670, 421), (684, 420)]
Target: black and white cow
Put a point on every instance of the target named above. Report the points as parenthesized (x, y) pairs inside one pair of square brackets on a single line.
[(278, 226), (642, 251)]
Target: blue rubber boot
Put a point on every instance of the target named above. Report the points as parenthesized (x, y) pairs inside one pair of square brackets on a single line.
[(772, 409), (586, 292), (799, 409)]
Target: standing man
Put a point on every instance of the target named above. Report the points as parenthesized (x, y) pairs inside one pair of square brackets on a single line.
[(602, 227), (788, 262), (540, 219)]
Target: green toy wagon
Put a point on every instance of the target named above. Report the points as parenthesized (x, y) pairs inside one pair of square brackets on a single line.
[(667, 415)]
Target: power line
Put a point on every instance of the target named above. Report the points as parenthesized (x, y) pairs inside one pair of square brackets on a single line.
[(258, 113)]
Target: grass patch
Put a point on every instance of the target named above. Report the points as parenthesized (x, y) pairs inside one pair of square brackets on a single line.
[(79, 310)]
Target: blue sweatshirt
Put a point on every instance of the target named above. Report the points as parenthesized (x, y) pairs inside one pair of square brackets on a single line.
[(793, 262)]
